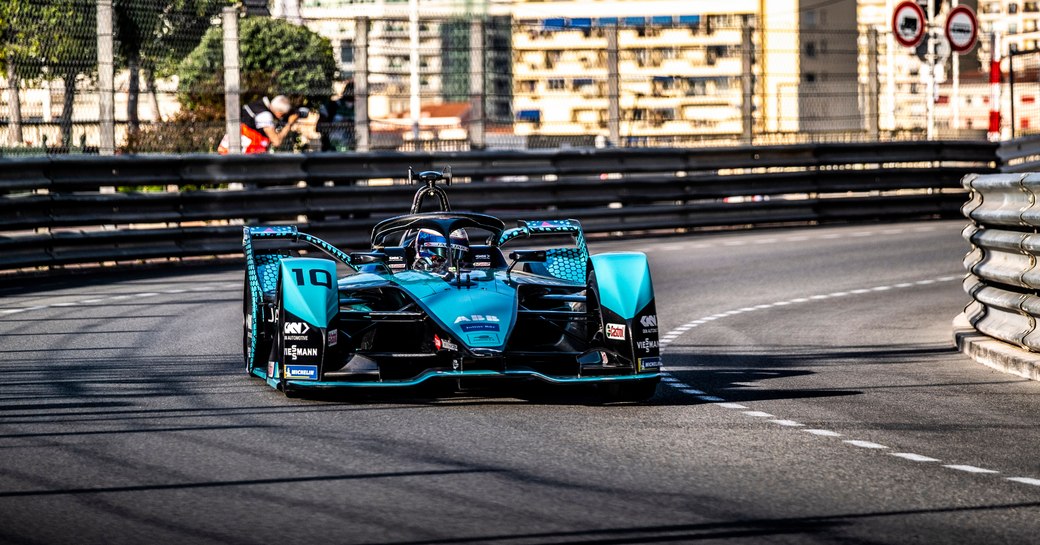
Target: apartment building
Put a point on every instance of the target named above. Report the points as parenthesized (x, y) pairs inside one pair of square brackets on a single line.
[(687, 70), (444, 49)]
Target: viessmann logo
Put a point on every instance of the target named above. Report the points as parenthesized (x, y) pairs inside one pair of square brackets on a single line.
[(297, 351)]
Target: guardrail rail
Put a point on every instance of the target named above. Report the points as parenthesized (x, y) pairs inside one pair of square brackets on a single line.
[(1004, 261), (87, 210)]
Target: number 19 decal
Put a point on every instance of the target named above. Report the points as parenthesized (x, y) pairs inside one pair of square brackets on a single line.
[(318, 277)]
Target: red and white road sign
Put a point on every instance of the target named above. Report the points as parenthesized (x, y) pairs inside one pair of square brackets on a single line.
[(908, 23), (962, 29)]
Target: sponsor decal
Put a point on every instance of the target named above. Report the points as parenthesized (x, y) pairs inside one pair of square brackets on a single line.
[(649, 363), (482, 264), (297, 351), (270, 369), (296, 328), (306, 372), (396, 258), (479, 326), (482, 257), (616, 331), (649, 323), (448, 345), (483, 338), (333, 337), (646, 345), (477, 318)]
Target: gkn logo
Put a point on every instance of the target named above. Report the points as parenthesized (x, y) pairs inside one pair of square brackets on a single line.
[(650, 320), (296, 328), (295, 352)]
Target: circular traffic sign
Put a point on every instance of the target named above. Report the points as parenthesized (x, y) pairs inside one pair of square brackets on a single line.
[(962, 29), (908, 23)]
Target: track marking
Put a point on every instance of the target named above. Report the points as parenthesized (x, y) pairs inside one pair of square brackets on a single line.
[(913, 457), (865, 444), (1025, 480), (970, 469), (824, 433), (117, 297), (909, 456)]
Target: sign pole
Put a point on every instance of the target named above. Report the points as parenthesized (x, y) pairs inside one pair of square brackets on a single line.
[(956, 121), (930, 59)]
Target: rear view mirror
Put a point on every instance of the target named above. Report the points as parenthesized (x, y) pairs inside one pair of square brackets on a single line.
[(528, 256), (367, 258)]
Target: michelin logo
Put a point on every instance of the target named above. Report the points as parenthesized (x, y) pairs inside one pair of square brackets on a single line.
[(306, 372)]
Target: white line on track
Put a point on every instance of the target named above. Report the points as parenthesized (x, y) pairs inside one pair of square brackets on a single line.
[(865, 444), (677, 332), (970, 469), (824, 433), (913, 457), (118, 297)]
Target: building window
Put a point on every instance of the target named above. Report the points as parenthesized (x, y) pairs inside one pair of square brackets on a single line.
[(809, 77), (557, 84), (810, 49), (346, 51), (1012, 8)]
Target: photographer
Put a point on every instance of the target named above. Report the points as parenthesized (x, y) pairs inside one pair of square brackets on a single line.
[(259, 125)]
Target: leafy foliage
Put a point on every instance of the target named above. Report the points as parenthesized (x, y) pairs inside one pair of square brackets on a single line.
[(275, 57), (58, 35)]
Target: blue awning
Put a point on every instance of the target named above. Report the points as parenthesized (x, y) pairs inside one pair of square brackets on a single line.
[(557, 23), (661, 19), (583, 81), (533, 116), (606, 21), (581, 22), (635, 21), (689, 19)]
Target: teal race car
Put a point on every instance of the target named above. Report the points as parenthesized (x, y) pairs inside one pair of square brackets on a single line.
[(439, 297)]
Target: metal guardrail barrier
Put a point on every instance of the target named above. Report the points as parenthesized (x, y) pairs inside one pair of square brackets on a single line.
[(1003, 263), (67, 210)]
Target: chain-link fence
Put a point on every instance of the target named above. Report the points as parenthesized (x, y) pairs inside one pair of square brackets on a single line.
[(438, 80)]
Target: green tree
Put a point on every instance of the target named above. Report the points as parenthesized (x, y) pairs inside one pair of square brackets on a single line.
[(49, 39), (153, 36), (275, 58)]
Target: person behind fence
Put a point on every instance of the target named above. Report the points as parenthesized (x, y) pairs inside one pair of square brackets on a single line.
[(259, 125), (336, 121)]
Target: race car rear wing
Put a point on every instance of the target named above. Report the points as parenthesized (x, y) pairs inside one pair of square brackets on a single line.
[(290, 233), (564, 263)]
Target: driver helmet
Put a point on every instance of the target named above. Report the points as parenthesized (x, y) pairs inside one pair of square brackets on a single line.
[(431, 245)]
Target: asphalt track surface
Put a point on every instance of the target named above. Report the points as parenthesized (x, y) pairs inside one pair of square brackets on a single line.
[(814, 396)]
